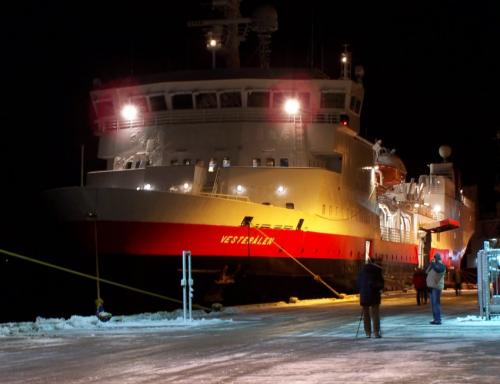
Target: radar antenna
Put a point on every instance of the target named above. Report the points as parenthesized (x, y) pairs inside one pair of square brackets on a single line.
[(225, 35)]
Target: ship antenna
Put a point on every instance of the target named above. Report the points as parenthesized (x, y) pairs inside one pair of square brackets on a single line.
[(345, 64)]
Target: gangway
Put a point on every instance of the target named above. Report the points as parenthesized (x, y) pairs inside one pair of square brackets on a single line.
[(488, 280)]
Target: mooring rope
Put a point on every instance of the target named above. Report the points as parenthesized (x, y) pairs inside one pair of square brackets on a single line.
[(100, 279), (315, 276)]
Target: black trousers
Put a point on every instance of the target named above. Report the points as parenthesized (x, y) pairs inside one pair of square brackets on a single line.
[(371, 314)]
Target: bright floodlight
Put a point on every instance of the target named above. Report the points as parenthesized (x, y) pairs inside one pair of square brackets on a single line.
[(129, 112), (212, 43), (437, 208), (292, 106)]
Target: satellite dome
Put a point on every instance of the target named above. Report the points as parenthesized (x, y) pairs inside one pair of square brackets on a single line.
[(444, 151), (265, 19)]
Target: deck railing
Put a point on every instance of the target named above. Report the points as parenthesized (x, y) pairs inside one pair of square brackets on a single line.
[(201, 116)]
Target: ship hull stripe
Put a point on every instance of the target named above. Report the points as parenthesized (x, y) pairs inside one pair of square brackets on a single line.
[(167, 239)]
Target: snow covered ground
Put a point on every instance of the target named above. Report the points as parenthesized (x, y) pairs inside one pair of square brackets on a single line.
[(307, 342)]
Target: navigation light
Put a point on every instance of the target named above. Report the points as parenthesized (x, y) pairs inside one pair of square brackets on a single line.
[(344, 120)]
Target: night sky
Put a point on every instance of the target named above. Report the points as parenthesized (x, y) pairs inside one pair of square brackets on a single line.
[(432, 71)]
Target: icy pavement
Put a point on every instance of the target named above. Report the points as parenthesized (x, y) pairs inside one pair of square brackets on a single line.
[(311, 342)]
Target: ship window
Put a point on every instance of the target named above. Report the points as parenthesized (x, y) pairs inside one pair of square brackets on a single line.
[(258, 99), (212, 164), (157, 103), (140, 103), (206, 100), (332, 100), (283, 162), (128, 165), (323, 209), (104, 108), (304, 99), (290, 205), (279, 98), (187, 162), (357, 108), (269, 162), (256, 162), (353, 103), (230, 100), (174, 162), (182, 101), (226, 162)]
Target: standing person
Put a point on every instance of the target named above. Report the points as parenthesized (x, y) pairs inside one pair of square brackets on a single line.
[(435, 282), (420, 285), (370, 283)]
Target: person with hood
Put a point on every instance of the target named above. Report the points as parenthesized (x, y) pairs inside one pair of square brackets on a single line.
[(370, 283), (435, 281)]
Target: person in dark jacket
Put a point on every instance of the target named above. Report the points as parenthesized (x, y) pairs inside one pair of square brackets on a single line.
[(435, 282), (420, 285), (370, 283)]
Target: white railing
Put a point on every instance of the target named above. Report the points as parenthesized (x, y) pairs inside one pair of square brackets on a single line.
[(223, 196), (200, 116)]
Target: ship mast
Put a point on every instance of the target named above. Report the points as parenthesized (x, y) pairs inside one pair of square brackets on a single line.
[(225, 35)]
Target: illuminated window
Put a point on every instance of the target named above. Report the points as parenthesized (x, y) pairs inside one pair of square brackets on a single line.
[(186, 161), (212, 164), (226, 162), (269, 162), (256, 162)]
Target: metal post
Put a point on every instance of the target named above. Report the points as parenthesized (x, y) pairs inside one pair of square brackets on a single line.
[(183, 284), (190, 285)]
